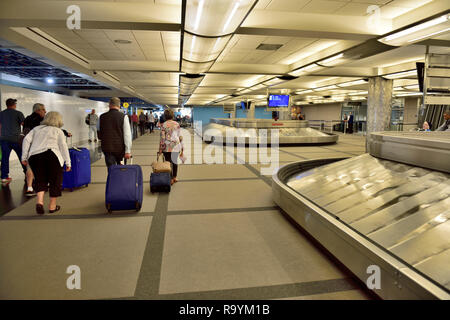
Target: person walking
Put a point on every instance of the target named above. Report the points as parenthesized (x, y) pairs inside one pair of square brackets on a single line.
[(31, 122), (91, 120), (151, 119), (171, 142), (350, 123), (446, 125), (45, 150), (115, 134), (142, 121), (11, 121), (134, 122)]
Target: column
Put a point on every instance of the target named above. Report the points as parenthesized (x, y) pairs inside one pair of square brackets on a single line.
[(251, 111), (378, 105)]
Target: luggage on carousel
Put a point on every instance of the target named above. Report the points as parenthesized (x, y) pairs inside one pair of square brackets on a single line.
[(124, 188), (80, 175), (160, 182)]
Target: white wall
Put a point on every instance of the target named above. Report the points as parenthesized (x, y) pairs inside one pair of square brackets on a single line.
[(330, 111), (73, 109)]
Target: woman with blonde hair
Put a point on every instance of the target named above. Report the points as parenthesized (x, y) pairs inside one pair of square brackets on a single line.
[(45, 149)]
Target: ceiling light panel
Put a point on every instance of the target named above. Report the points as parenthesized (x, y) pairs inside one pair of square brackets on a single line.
[(195, 68), (358, 93), (333, 61), (433, 27), (352, 83), (307, 69), (403, 74), (326, 88), (215, 17), (201, 49), (273, 82)]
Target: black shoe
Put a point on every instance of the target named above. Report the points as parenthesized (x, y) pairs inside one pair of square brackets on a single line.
[(57, 208), (40, 209), (30, 193), (95, 140), (90, 140)]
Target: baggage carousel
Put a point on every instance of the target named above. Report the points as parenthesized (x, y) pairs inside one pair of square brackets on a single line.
[(256, 130), (389, 208)]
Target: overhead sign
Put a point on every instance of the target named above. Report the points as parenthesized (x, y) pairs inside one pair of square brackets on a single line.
[(229, 108), (126, 105)]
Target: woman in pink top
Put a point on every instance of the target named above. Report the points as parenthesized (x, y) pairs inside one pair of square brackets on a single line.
[(170, 144)]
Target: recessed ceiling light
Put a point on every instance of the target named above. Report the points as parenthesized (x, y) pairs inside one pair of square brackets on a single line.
[(50, 80), (120, 41)]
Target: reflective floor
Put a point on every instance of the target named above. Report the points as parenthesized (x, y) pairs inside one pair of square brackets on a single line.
[(403, 208), (217, 235)]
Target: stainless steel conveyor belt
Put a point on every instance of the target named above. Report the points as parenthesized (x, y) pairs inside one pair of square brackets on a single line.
[(366, 210)]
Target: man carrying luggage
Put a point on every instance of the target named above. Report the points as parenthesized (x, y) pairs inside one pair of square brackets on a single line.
[(91, 120), (115, 134)]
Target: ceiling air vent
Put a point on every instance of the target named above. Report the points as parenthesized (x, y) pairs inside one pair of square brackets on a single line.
[(269, 47)]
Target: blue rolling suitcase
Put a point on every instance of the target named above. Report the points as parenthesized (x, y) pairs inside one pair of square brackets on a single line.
[(80, 175), (160, 182), (124, 188)]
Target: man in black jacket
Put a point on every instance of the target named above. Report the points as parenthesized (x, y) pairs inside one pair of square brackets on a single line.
[(115, 134)]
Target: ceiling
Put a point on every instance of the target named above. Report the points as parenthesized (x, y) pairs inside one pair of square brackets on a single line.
[(147, 66)]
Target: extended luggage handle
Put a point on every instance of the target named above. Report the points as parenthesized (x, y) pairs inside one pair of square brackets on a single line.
[(125, 160), (71, 143)]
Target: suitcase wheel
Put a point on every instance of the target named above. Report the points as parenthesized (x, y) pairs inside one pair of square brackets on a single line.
[(108, 207), (138, 206)]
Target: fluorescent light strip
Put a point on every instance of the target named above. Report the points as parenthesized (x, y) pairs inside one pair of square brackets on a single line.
[(331, 59), (412, 87), (429, 35), (352, 83), (308, 68), (233, 11), (199, 14), (402, 74), (419, 27), (326, 88), (304, 91), (358, 93), (409, 94)]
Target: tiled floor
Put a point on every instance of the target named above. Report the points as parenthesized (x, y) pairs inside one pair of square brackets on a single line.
[(217, 235)]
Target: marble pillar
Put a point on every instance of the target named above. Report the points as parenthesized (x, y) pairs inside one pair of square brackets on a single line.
[(379, 105)]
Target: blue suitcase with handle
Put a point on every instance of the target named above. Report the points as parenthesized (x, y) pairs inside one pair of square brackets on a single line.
[(160, 182), (124, 188), (80, 175)]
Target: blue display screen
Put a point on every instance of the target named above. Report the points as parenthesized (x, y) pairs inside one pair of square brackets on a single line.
[(243, 105), (278, 100)]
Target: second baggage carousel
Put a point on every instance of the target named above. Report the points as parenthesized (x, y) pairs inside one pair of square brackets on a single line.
[(264, 130)]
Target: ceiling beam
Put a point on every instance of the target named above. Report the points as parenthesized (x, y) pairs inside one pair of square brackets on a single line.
[(318, 22), (103, 25), (304, 34), (91, 11), (129, 65)]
